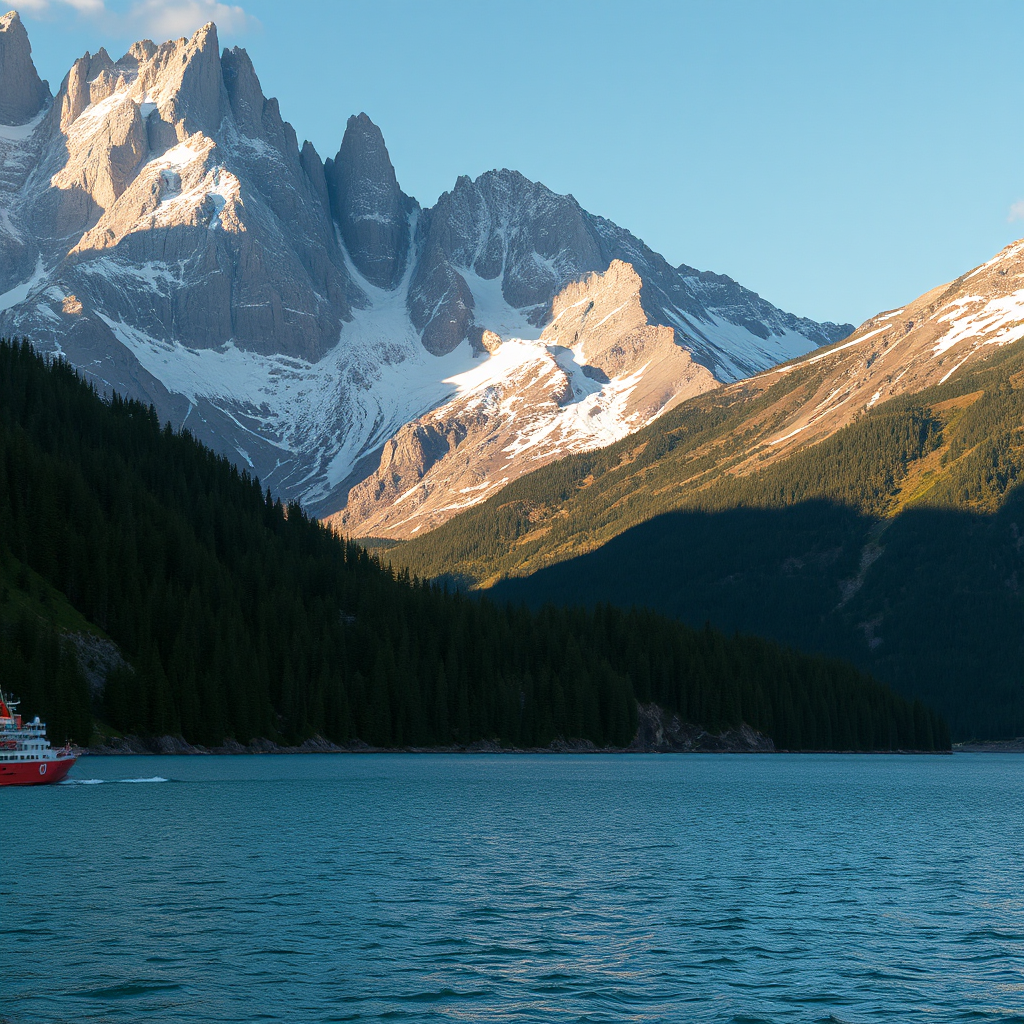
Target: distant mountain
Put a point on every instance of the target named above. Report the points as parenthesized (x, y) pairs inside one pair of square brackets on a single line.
[(161, 228), (864, 501)]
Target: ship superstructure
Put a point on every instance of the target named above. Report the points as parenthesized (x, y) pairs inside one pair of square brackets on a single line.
[(26, 756)]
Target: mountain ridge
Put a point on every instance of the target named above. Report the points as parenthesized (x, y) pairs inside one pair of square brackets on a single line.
[(161, 227), (741, 429)]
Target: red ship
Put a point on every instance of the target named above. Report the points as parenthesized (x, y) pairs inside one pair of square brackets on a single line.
[(26, 757)]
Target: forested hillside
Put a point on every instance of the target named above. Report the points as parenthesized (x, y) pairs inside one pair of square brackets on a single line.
[(241, 617), (897, 543)]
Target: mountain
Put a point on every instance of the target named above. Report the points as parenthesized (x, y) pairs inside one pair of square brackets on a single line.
[(238, 618), (162, 229), (862, 502)]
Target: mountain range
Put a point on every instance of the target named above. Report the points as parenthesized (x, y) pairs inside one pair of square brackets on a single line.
[(163, 230), (510, 392)]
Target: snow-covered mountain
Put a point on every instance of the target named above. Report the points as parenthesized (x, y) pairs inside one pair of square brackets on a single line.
[(162, 229)]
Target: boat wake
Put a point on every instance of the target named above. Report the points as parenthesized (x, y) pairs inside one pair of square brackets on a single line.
[(100, 782)]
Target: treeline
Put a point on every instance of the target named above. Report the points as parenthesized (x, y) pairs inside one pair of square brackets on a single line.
[(242, 617)]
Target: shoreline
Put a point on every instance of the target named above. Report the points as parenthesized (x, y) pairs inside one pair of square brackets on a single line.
[(135, 747), (658, 732), (1015, 746)]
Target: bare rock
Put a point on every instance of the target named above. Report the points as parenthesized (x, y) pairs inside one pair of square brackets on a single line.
[(97, 658), (371, 210), (598, 371), (660, 731), (22, 93)]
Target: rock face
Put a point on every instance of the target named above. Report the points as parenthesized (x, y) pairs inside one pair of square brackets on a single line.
[(22, 93), (162, 229), (661, 731), (597, 372), (369, 207)]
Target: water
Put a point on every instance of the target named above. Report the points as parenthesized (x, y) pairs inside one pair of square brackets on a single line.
[(522, 888)]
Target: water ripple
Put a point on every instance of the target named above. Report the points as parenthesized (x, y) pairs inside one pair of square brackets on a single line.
[(535, 889)]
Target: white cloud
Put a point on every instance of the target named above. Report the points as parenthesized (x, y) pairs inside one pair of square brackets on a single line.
[(157, 19), (166, 19), (1017, 210), (37, 8)]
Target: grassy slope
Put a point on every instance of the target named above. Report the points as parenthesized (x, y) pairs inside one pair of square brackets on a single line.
[(687, 459), (22, 590)]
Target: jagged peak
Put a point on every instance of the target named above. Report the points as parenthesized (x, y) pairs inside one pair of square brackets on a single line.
[(367, 203), (142, 50), (245, 92), (506, 180), (363, 140), (22, 92), (361, 120)]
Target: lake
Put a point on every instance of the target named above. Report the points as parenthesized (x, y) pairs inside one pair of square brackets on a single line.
[(533, 888)]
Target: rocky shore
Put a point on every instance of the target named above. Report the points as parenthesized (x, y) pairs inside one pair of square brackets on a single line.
[(658, 731), (991, 746)]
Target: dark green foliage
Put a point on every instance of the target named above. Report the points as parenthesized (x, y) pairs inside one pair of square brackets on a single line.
[(245, 618), (935, 616), (49, 682)]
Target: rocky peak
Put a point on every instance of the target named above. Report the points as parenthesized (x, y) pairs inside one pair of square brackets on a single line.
[(22, 92), (184, 78), (244, 90), (503, 223), (92, 78), (314, 170), (371, 210)]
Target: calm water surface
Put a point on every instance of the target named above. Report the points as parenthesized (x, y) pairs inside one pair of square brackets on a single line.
[(532, 888)]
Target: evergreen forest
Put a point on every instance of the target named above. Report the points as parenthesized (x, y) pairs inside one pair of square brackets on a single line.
[(241, 617)]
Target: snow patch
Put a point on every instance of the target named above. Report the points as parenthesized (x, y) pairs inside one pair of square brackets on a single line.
[(177, 157), (19, 293), (1000, 321), (22, 132), (1008, 253), (492, 311), (831, 351)]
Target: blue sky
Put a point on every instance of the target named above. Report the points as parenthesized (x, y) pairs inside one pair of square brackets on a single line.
[(838, 158)]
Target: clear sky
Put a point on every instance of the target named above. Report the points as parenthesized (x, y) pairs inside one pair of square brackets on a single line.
[(840, 158)]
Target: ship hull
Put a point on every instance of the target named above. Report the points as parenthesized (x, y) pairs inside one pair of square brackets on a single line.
[(35, 773)]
